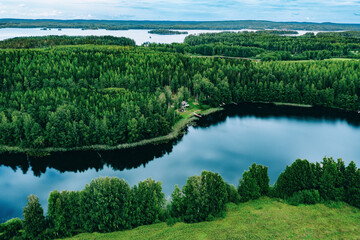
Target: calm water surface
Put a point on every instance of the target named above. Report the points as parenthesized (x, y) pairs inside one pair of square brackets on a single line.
[(140, 36), (227, 142)]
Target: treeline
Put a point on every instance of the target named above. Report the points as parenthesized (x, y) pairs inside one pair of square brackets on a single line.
[(278, 32), (166, 32), (49, 41), (267, 45), (110, 204), (348, 34), (86, 95), (216, 25)]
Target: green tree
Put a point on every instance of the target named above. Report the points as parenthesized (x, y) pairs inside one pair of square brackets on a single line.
[(34, 220)]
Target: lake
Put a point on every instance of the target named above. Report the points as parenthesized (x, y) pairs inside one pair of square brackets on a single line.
[(227, 142), (140, 36)]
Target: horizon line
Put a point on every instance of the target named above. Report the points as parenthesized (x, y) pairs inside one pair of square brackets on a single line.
[(134, 20)]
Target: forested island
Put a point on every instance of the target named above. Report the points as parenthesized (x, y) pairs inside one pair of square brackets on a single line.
[(110, 204), (64, 97), (166, 32)]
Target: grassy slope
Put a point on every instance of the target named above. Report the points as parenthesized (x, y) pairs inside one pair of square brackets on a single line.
[(261, 219)]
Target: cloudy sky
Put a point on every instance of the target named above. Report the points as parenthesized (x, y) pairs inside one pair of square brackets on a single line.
[(341, 11)]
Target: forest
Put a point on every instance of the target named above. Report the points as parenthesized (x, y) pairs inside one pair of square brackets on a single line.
[(50, 41), (86, 95), (215, 25), (269, 45), (110, 204)]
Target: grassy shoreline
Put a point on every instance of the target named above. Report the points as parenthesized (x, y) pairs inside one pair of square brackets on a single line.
[(264, 218), (175, 132)]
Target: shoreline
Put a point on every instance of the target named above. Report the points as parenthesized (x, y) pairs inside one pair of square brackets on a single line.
[(175, 132)]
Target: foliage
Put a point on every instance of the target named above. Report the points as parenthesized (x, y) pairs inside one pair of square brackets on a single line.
[(267, 45), (249, 221), (296, 177), (232, 194), (332, 180), (149, 202), (254, 183), (166, 32), (304, 197), (34, 221), (49, 41), (94, 95), (105, 205), (64, 212), (11, 228), (352, 185), (202, 198), (109, 204)]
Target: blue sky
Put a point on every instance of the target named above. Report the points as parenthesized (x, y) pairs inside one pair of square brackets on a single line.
[(341, 11)]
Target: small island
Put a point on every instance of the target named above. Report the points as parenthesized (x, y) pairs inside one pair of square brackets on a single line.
[(166, 32)]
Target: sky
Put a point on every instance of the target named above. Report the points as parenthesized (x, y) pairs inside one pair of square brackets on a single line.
[(339, 11)]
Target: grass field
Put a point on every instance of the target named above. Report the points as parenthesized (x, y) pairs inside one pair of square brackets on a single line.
[(260, 219)]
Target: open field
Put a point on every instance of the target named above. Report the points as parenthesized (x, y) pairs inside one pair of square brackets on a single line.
[(260, 219)]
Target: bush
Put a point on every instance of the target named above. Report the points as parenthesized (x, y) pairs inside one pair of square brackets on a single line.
[(297, 177), (254, 183), (202, 198), (304, 197), (10, 228), (232, 194)]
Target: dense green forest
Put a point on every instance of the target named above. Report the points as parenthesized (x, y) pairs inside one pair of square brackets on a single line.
[(166, 32), (49, 41), (268, 45), (219, 25), (73, 96), (110, 204), (279, 32)]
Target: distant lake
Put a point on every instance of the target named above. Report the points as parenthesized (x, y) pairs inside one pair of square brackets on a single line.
[(140, 36), (226, 142)]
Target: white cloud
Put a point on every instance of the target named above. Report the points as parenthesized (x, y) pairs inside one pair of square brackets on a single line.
[(276, 10)]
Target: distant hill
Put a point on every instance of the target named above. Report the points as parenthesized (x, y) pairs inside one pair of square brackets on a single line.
[(124, 25)]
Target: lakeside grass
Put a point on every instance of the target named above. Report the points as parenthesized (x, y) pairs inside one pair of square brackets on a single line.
[(264, 218)]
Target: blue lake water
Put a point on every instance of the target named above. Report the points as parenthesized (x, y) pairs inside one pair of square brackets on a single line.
[(140, 36), (227, 142)]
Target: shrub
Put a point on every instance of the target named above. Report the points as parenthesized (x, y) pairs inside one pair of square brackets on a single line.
[(297, 177), (10, 228), (232, 194), (254, 183), (304, 197), (202, 198)]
